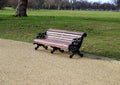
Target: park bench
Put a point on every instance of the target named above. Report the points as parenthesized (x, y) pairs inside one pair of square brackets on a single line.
[(61, 40)]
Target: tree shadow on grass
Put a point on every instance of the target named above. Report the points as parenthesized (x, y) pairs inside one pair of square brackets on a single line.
[(2, 19), (102, 19)]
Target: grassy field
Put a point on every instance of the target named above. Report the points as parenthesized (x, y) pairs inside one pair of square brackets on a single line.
[(102, 27)]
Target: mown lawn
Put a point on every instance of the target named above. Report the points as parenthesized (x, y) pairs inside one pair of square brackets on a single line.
[(102, 28)]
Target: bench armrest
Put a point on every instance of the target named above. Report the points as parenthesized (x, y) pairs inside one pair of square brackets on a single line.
[(78, 41), (75, 45), (41, 35)]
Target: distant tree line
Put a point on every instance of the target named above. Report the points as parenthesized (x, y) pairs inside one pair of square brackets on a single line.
[(64, 4)]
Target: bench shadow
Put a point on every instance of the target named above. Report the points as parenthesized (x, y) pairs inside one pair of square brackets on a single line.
[(95, 57), (66, 54), (2, 19)]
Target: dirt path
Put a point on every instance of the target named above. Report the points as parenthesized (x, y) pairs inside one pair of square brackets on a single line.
[(20, 64)]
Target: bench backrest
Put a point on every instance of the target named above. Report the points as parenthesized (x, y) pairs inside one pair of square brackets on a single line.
[(63, 34)]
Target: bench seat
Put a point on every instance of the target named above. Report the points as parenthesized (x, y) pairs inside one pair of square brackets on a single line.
[(53, 43)]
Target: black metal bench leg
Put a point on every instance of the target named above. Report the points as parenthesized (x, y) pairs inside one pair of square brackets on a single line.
[(46, 47), (60, 50), (54, 49), (71, 55), (37, 47), (80, 54)]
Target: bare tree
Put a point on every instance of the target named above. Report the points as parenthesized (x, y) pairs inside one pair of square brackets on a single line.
[(48, 3), (65, 4), (118, 4), (12, 3), (21, 8), (59, 4), (35, 4)]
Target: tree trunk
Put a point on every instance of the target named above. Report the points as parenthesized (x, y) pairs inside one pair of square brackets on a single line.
[(21, 8), (59, 4)]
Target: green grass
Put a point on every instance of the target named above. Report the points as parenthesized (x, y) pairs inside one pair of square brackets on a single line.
[(102, 27)]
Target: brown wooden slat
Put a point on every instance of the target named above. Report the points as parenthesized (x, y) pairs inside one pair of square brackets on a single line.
[(62, 34), (54, 43), (65, 31)]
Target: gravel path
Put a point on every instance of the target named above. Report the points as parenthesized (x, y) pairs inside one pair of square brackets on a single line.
[(20, 64)]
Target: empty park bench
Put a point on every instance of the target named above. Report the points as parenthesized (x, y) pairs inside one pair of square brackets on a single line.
[(61, 40)]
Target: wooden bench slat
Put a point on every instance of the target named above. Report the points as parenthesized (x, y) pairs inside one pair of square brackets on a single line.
[(65, 31), (62, 33), (67, 35), (53, 40), (61, 38)]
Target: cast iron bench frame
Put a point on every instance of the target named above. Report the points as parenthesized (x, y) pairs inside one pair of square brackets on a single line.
[(61, 39)]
